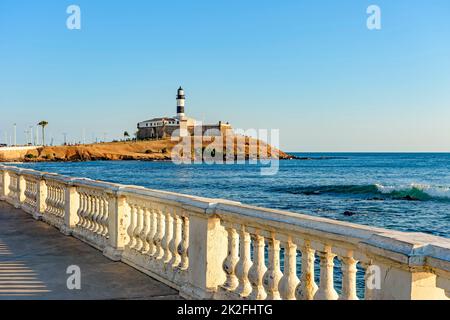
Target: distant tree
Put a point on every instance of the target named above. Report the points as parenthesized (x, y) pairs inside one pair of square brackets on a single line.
[(126, 135), (43, 124)]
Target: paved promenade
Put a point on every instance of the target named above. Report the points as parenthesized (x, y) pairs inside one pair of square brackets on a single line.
[(34, 258)]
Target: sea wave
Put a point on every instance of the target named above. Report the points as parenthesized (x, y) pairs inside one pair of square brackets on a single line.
[(411, 192)]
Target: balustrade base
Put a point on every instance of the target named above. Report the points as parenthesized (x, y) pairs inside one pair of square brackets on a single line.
[(37, 216), (191, 292), (225, 294), (112, 253), (94, 240), (155, 268), (65, 230)]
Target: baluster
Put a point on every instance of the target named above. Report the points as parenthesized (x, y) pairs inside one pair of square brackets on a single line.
[(257, 270), (273, 274), (176, 240), (87, 208), (289, 281), (145, 230), (153, 229), (56, 201), (47, 199), (91, 208), (160, 233), (167, 236), (101, 207), (131, 227), (348, 277), (104, 218), (80, 208), (61, 210), (138, 229), (308, 287), (244, 288), (229, 265), (53, 200), (326, 287), (184, 246), (98, 219), (96, 213)]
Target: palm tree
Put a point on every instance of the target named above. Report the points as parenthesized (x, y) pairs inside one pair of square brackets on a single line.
[(126, 135), (43, 124)]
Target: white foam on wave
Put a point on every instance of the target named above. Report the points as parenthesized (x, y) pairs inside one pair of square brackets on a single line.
[(432, 191)]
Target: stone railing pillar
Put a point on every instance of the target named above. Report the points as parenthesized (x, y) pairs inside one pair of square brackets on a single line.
[(208, 250), (21, 186), (399, 283), (117, 224), (397, 270), (71, 209), (6, 181), (41, 196)]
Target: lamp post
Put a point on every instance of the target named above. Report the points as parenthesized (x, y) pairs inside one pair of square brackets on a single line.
[(15, 134)]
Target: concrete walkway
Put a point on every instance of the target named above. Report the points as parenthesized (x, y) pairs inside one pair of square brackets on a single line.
[(34, 258)]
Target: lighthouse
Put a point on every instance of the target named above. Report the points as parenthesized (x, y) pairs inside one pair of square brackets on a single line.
[(180, 103)]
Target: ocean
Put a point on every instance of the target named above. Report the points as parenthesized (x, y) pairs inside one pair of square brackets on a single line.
[(401, 191)]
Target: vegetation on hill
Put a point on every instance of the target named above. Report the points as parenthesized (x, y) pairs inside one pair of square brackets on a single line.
[(152, 150)]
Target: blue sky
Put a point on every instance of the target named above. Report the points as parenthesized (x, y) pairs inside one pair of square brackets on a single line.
[(310, 68)]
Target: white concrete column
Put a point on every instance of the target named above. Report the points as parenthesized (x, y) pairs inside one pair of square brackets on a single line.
[(118, 215), (208, 243), (5, 188), (400, 283), (72, 202), (21, 186), (397, 268), (40, 199), (20, 190)]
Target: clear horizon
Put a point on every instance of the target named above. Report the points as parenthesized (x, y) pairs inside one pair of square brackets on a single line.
[(309, 68)]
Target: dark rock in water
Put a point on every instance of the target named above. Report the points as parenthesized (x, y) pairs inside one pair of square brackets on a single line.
[(376, 199), (409, 198), (349, 213)]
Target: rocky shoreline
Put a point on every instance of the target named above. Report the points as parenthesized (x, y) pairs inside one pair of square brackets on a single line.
[(152, 150)]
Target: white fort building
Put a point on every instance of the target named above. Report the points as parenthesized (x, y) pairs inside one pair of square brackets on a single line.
[(163, 127)]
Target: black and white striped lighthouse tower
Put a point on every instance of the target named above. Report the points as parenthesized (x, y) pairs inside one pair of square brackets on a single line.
[(180, 103)]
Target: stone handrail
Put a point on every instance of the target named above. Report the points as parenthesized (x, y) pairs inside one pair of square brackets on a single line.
[(218, 249)]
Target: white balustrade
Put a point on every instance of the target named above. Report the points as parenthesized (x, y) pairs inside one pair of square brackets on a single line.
[(158, 235), (31, 193), (213, 248), (13, 189), (92, 214), (55, 202)]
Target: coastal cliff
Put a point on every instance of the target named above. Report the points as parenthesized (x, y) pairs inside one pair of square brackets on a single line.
[(153, 150)]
